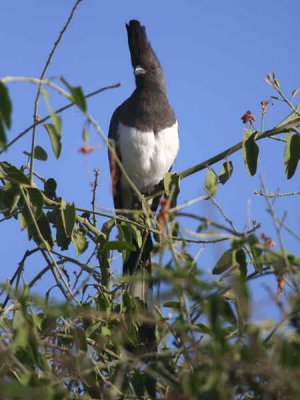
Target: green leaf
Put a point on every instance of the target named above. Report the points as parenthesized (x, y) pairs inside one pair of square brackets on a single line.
[(172, 186), (211, 182), (77, 96), (57, 122), (85, 133), (5, 106), (68, 215), (226, 172), (55, 139), (21, 331), (224, 263), (136, 234), (256, 251), (172, 304), (36, 201), (250, 152), (39, 154), (22, 221), (293, 119), (44, 229), (119, 245), (79, 240), (241, 260), (14, 173), (291, 154), (295, 92), (105, 331), (10, 197), (61, 238), (80, 339), (203, 329), (3, 138), (138, 385)]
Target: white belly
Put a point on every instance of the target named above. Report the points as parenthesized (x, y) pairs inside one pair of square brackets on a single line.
[(147, 156)]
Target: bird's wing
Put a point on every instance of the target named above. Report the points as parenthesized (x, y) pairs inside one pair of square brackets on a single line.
[(114, 168)]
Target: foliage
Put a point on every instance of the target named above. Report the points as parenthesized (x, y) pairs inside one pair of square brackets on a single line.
[(209, 347)]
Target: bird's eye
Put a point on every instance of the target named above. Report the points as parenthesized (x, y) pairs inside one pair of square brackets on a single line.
[(152, 67)]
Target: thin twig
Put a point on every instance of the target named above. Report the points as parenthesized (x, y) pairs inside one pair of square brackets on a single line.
[(95, 184), (271, 195), (233, 149), (276, 226), (42, 273), (57, 273), (36, 81), (84, 267), (20, 268), (38, 94), (224, 215), (58, 111), (189, 203)]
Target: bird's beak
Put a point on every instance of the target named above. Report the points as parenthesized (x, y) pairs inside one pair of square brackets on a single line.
[(139, 71)]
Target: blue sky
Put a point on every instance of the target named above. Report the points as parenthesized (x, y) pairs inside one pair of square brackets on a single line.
[(216, 55)]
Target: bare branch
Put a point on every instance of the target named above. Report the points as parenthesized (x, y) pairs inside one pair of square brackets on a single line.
[(271, 195), (48, 61)]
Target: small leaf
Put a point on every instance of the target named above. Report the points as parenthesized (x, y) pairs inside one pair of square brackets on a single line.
[(224, 263), (250, 152), (172, 304), (79, 240), (256, 251), (226, 172), (291, 154), (77, 95), (61, 238), (295, 92), (39, 154), (57, 122), (211, 182), (55, 139), (85, 134), (10, 197), (68, 214), (22, 221), (3, 138), (80, 339), (203, 329), (105, 331), (172, 186), (137, 235), (119, 245), (5, 106), (240, 258)]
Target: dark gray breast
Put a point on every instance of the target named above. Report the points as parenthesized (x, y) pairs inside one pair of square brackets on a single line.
[(145, 110)]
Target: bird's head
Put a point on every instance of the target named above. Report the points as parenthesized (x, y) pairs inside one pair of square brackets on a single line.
[(147, 69)]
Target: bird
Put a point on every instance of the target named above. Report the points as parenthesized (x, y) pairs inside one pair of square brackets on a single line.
[(144, 134)]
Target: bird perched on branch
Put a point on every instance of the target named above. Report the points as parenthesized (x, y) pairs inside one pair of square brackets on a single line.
[(144, 132)]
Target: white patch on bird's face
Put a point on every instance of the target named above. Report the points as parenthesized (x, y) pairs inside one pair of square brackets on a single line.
[(147, 156)]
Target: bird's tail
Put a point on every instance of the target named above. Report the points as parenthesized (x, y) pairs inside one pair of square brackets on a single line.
[(139, 264), (141, 51)]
